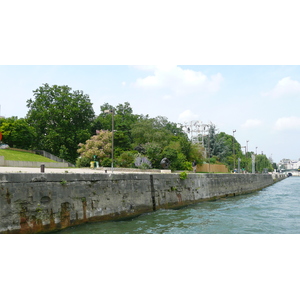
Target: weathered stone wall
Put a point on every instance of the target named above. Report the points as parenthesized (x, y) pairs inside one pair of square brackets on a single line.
[(31, 203)]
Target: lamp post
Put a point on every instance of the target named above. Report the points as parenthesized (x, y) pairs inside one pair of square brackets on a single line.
[(233, 148), (247, 147), (112, 112)]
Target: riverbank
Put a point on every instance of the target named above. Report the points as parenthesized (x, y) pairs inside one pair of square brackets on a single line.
[(45, 202)]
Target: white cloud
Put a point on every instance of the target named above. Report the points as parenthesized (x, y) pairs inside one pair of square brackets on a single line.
[(252, 123), (180, 81), (187, 116), (285, 86), (123, 83), (287, 123)]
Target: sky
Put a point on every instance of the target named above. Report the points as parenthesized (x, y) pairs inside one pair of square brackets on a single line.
[(230, 63), (260, 102), (233, 63)]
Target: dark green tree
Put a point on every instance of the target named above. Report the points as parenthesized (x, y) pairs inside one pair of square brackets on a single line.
[(123, 120), (17, 133), (216, 144), (61, 118)]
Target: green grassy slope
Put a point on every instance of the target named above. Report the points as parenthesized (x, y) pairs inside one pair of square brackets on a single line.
[(23, 156)]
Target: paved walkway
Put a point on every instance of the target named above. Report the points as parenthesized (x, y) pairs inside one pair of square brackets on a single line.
[(68, 170), (51, 170)]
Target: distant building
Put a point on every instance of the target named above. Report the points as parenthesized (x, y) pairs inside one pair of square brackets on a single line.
[(288, 164)]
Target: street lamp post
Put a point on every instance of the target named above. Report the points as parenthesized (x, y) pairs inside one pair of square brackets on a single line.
[(245, 149), (112, 112), (233, 149)]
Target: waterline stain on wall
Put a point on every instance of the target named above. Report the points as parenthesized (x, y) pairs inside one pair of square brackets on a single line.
[(33, 203)]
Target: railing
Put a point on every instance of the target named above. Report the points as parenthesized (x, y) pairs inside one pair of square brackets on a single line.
[(53, 157)]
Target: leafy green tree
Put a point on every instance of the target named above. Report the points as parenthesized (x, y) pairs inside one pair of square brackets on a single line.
[(17, 133), (154, 130), (61, 119), (262, 162), (154, 153), (123, 120)]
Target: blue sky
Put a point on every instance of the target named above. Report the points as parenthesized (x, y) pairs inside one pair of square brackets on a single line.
[(243, 58), (232, 63), (260, 102)]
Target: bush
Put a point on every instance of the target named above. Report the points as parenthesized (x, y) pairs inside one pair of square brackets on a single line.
[(187, 166), (82, 162), (126, 159), (153, 151), (106, 162), (142, 162), (183, 175)]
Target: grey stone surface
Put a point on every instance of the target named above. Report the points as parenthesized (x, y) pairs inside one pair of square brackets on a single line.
[(43, 202)]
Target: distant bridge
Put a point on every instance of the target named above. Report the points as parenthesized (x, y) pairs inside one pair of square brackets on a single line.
[(295, 172)]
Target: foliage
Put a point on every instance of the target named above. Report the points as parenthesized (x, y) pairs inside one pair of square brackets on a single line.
[(123, 120), (176, 157), (99, 145), (217, 145), (154, 152), (82, 162), (106, 162), (262, 162), (147, 130), (126, 159), (61, 119), (17, 133), (171, 155), (183, 175), (142, 162)]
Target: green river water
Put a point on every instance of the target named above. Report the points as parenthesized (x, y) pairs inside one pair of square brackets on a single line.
[(273, 210)]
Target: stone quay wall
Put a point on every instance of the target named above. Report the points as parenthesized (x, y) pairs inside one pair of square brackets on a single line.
[(40, 203)]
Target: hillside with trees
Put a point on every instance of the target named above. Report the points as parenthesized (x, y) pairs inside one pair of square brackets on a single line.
[(63, 122)]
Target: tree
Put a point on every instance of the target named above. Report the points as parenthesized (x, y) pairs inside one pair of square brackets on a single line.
[(123, 120), (17, 133), (152, 130), (215, 144), (262, 163), (99, 145), (61, 119)]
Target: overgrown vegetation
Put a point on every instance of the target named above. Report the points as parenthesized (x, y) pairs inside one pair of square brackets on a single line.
[(224, 148), (63, 122)]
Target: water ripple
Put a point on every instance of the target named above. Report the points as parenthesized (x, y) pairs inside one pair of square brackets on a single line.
[(273, 210)]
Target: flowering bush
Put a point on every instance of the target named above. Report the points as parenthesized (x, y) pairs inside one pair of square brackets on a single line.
[(99, 145), (142, 162)]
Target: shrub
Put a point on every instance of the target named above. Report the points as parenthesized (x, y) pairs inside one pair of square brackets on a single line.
[(126, 159), (183, 175), (142, 162), (106, 162), (82, 162)]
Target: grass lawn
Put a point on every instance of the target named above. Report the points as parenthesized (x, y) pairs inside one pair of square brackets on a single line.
[(23, 156)]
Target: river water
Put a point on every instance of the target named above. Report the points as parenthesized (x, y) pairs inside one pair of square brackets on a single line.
[(273, 210)]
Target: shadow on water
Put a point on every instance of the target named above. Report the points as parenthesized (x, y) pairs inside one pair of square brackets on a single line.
[(275, 209)]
